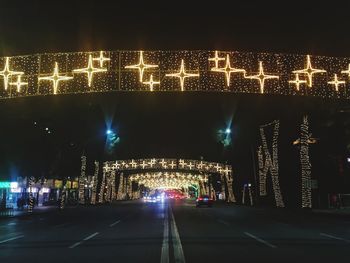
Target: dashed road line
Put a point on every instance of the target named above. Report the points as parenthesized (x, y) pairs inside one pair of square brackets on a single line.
[(164, 256), (85, 239), (10, 239), (335, 237), (260, 240), (113, 224), (178, 251)]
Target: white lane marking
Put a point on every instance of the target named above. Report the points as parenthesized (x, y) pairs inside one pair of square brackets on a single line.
[(178, 251), (85, 239), (113, 224), (10, 239), (164, 257), (260, 240), (335, 237), (12, 224), (223, 222)]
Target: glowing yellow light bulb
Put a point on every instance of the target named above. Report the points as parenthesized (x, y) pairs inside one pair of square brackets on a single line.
[(101, 59), (182, 75), (90, 70), (216, 59), (309, 71), (141, 66), (261, 77), (55, 78)]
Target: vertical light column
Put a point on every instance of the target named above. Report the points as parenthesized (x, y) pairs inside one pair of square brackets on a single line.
[(229, 184), (112, 182), (120, 191), (31, 198), (82, 180), (101, 194), (262, 174), (108, 187), (306, 197), (95, 183)]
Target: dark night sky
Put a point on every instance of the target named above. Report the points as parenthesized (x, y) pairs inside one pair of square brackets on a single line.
[(289, 27), (175, 125)]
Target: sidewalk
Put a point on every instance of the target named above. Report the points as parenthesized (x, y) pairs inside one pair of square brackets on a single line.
[(18, 213)]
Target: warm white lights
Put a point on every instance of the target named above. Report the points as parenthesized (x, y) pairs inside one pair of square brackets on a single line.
[(297, 81), (182, 75), (141, 66), (261, 77), (101, 59), (216, 59), (55, 78), (309, 71), (6, 72), (151, 83), (336, 82), (228, 70), (19, 83), (90, 70)]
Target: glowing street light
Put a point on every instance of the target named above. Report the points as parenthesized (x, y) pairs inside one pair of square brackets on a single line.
[(228, 131)]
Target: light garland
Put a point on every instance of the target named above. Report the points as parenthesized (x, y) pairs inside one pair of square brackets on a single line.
[(31, 198), (228, 70), (336, 82), (6, 73), (262, 173), (90, 70), (19, 83), (216, 59), (306, 197), (55, 78), (182, 75), (141, 66), (101, 59), (151, 83), (261, 77), (95, 183), (297, 81), (309, 71), (271, 164), (82, 181)]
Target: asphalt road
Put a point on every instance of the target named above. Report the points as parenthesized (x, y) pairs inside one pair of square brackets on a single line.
[(174, 232)]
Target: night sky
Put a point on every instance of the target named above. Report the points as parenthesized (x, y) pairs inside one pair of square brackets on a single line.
[(166, 125)]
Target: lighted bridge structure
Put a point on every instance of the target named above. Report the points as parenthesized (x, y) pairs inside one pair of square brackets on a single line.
[(216, 71), (115, 180)]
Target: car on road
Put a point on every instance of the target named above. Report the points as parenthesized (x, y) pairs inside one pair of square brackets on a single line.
[(204, 200)]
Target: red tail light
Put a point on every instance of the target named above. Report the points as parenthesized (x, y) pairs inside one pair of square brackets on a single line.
[(200, 199)]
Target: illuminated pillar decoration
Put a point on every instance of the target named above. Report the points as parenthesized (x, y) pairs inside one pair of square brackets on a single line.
[(6, 73), (141, 66), (129, 188), (272, 164), (223, 187), (19, 83), (182, 75), (101, 59), (108, 186), (297, 81), (101, 194), (113, 193), (306, 197), (216, 59), (31, 198), (261, 77), (229, 183), (82, 180), (95, 183), (262, 174), (309, 71), (55, 78), (90, 70), (213, 194), (120, 193), (336, 82), (151, 83), (228, 70)]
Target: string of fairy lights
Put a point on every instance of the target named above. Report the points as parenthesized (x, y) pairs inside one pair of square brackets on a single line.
[(306, 197), (271, 163), (218, 71)]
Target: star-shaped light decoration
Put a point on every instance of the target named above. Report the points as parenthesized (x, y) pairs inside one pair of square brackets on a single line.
[(336, 82), (55, 78), (261, 77), (182, 75), (101, 59), (151, 83), (228, 70), (309, 71), (90, 70), (19, 83), (141, 66), (216, 59), (347, 71), (297, 81), (6, 72)]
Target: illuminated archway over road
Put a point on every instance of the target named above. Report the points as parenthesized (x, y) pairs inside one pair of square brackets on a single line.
[(117, 177), (155, 71)]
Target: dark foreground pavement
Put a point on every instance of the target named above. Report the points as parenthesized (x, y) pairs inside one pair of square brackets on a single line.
[(174, 232)]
